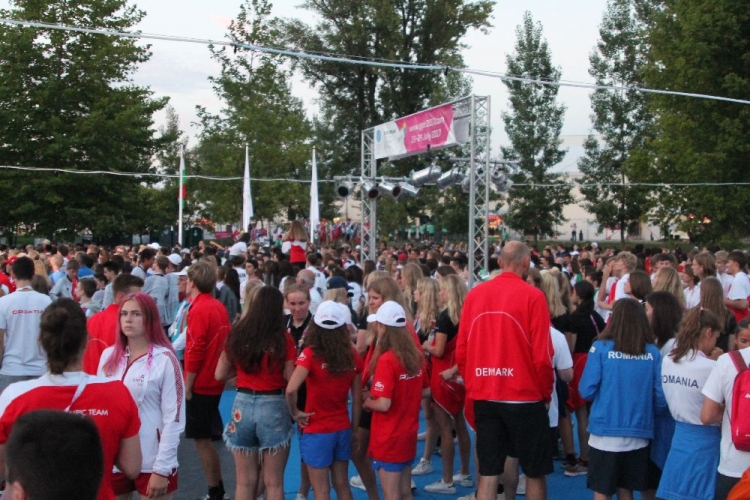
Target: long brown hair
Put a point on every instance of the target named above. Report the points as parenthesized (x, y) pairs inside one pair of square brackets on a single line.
[(628, 327), (695, 321), (332, 346), (400, 341), (260, 333), (668, 280), (712, 299)]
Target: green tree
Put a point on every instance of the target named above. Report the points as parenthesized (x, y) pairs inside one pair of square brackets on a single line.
[(622, 122), (533, 125), (703, 48), (354, 97), (67, 101), (259, 110)]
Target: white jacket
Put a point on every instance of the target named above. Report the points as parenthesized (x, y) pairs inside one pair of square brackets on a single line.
[(161, 407)]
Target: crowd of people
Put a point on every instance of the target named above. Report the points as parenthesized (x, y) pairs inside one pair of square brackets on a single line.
[(637, 351)]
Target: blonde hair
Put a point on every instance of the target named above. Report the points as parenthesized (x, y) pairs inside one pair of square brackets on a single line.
[(668, 280), (340, 295), (410, 275), (551, 290), (455, 293), (251, 289), (428, 306), (298, 232)]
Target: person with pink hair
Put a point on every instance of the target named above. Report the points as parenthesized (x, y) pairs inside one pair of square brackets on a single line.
[(144, 359)]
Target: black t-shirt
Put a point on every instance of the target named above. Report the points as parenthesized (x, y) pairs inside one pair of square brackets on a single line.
[(445, 325), (586, 328), (561, 323)]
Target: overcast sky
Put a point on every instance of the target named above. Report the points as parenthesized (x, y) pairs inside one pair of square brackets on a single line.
[(180, 71)]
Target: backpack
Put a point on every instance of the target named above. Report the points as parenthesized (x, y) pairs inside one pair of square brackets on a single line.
[(740, 416)]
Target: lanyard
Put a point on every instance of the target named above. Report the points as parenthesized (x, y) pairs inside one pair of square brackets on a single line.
[(79, 391)]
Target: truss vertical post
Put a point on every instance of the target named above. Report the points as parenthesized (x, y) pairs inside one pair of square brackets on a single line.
[(368, 227), (479, 196)]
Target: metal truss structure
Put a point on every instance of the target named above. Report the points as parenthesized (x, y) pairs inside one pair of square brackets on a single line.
[(477, 108)]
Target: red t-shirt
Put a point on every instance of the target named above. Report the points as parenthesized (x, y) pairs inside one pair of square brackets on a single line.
[(268, 378), (102, 328), (108, 402), (393, 435), (326, 393), (207, 330)]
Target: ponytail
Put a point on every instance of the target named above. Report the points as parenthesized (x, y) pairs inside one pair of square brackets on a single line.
[(62, 334), (693, 325)]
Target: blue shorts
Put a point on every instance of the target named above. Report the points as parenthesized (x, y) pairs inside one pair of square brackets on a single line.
[(258, 423), (391, 466), (321, 450)]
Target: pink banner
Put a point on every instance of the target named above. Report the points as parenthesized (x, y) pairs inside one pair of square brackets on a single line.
[(434, 127)]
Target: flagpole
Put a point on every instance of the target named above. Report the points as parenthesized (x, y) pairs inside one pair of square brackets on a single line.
[(314, 204), (181, 195), (247, 200)]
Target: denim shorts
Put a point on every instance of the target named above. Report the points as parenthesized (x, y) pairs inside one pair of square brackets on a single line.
[(320, 450), (391, 466), (258, 423)]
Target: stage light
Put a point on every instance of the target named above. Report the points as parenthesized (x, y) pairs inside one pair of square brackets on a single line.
[(449, 178), (344, 187), (408, 190), (370, 189), (426, 175), (389, 188)]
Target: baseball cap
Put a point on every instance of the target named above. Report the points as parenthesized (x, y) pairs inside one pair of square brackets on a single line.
[(337, 282), (329, 315), (183, 272), (390, 314), (154, 245), (185, 250), (175, 259)]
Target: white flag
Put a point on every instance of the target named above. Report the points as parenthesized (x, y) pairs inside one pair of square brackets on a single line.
[(247, 200)]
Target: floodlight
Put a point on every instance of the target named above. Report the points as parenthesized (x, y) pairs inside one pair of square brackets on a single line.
[(344, 187), (389, 188), (369, 188), (408, 190), (497, 177), (451, 177), (426, 175)]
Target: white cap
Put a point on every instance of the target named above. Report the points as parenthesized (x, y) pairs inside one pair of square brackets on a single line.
[(329, 315), (175, 259), (595, 244), (390, 314), (154, 245), (183, 272)]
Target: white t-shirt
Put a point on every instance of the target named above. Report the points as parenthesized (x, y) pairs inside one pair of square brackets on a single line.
[(682, 383), (693, 297), (726, 281), (740, 288), (718, 388), (239, 248), (620, 288), (562, 360), (315, 300), (20, 314)]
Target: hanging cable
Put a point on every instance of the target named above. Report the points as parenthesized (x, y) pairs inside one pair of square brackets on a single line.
[(300, 54)]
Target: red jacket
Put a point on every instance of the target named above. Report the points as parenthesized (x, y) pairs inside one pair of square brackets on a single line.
[(102, 328), (504, 350), (207, 330)]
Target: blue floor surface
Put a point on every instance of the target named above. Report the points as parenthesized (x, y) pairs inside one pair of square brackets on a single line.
[(559, 487)]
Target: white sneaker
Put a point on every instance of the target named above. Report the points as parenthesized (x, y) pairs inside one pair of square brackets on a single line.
[(464, 480), (356, 482), (422, 468), (521, 490), (300, 496), (413, 485), (441, 487), (470, 496), (422, 436)]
